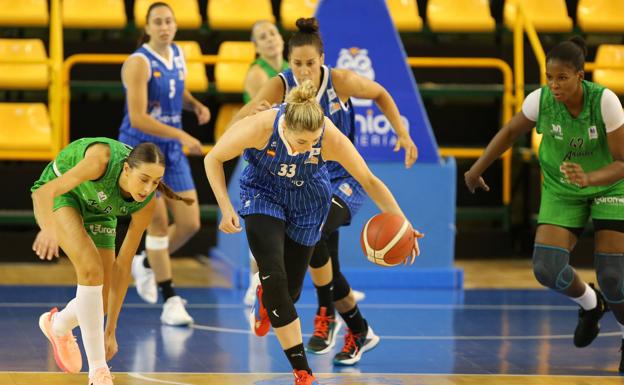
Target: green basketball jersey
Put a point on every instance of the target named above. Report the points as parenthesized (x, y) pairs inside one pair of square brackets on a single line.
[(266, 67), (581, 140), (102, 196)]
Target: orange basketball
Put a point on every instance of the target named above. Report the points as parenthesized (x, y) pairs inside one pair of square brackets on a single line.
[(387, 239)]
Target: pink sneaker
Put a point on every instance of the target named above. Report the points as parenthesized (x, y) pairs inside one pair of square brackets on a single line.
[(102, 376), (66, 350)]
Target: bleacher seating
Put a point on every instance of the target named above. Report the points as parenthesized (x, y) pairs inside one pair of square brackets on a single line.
[(88, 14), (600, 16), (610, 54), (546, 15), (24, 13), (186, 13), (460, 16), (291, 10), (238, 14), (196, 79), (234, 58), (225, 115), (16, 72)]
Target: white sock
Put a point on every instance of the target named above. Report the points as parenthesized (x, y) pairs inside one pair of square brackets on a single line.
[(65, 320), (90, 312), (621, 329), (588, 300)]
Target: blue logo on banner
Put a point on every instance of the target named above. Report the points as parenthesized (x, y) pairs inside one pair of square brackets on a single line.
[(360, 36)]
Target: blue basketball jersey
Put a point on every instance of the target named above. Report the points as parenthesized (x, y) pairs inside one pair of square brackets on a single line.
[(165, 89), (343, 117), (290, 186)]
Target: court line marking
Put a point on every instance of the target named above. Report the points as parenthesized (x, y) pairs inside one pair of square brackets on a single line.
[(145, 378), (418, 338), (314, 306)]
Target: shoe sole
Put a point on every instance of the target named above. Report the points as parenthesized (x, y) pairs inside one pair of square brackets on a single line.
[(370, 346), (331, 345), (57, 358)]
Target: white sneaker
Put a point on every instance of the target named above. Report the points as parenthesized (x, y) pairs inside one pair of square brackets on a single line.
[(358, 295), (250, 294), (144, 279), (174, 313)]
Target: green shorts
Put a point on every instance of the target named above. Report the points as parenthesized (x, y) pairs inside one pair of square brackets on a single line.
[(101, 228), (574, 212)]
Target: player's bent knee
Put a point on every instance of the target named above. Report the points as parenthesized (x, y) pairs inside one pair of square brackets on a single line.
[(276, 298), (551, 266), (610, 274), (341, 287)]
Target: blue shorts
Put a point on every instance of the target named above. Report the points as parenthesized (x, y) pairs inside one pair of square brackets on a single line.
[(177, 169), (351, 192), (303, 209)]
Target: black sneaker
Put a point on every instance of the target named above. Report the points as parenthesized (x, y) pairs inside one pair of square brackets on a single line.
[(588, 327), (325, 330), (355, 345)]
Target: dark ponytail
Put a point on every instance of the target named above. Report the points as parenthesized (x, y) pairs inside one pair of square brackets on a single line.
[(572, 52), (148, 152), (169, 193), (307, 34)]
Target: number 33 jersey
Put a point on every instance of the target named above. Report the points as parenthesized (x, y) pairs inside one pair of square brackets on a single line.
[(289, 186)]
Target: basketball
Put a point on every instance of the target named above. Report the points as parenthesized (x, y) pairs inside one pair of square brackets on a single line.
[(387, 239)]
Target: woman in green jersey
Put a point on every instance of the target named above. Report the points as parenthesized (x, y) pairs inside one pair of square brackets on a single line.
[(76, 202), (270, 58), (581, 125)]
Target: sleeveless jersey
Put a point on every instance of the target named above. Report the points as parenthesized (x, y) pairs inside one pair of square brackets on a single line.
[(341, 114), (165, 89), (581, 140), (275, 166), (102, 196), (266, 67)]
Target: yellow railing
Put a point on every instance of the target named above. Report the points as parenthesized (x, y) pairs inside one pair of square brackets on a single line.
[(507, 106)]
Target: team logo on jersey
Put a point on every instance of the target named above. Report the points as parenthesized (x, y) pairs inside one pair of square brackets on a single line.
[(271, 153), (593, 132), (556, 131), (331, 94), (177, 60), (102, 196), (334, 107), (157, 74), (123, 210), (99, 229), (274, 144), (346, 189), (357, 60)]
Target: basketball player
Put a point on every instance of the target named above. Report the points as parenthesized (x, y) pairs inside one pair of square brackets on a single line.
[(76, 202), (285, 197), (581, 156), (335, 88), (153, 79)]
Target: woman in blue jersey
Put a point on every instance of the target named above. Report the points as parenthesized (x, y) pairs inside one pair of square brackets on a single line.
[(76, 203), (286, 194), (335, 88), (153, 77)]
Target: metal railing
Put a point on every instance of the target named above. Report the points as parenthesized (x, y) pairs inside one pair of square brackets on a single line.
[(507, 105)]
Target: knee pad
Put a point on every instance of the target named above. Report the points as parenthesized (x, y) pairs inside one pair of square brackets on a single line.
[(341, 287), (276, 298), (320, 255), (551, 266), (610, 273), (153, 242)]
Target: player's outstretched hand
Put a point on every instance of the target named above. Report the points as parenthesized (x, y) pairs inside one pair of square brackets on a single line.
[(46, 245), (416, 249), (473, 182)]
